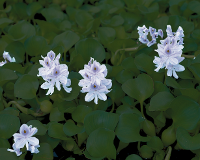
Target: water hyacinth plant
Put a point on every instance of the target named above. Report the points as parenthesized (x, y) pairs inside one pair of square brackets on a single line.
[(99, 79), (94, 81)]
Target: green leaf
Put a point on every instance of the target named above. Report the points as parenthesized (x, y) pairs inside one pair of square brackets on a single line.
[(53, 15), (26, 87), (7, 74), (47, 139), (145, 62), (185, 112), (191, 92), (116, 93), (161, 22), (155, 143), (124, 75), (90, 48), (128, 128), (194, 6), (10, 110), (161, 101), (19, 9), (106, 34), (32, 8), (70, 129), (7, 155), (195, 69), (35, 45), (133, 157), (83, 18), (4, 143), (9, 125), (196, 34), (74, 93), (42, 129), (80, 112), (116, 20), (21, 31), (186, 141), (45, 152), (87, 155), (55, 130), (17, 50), (139, 88), (98, 119), (56, 115), (187, 26), (4, 22), (171, 82), (103, 145), (66, 39)]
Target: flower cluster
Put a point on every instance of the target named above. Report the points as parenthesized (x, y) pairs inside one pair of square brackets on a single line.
[(54, 73), (94, 81), (7, 58), (170, 51), (25, 138), (143, 32)]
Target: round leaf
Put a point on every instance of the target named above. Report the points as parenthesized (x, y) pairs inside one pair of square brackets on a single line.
[(98, 119), (161, 101), (128, 128), (9, 125), (17, 50), (7, 155), (106, 34), (133, 157), (80, 112), (45, 152), (26, 87), (140, 88), (56, 115), (185, 112), (100, 143), (42, 129), (90, 48), (70, 129)]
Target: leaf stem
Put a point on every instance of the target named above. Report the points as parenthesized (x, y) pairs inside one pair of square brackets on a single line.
[(25, 110), (141, 107), (187, 56), (169, 153), (165, 77), (113, 107), (95, 107), (127, 49), (138, 146)]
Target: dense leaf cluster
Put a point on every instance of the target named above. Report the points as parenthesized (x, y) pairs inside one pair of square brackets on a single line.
[(145, 107)]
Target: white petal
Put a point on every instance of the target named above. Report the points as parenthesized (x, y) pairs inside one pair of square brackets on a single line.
[(102, 96), (58, 85), (20, 143), (68, 90), (96, 99), (173, 61), (169, 72), (175, 75), (89, 96), (68, 82), (179, 68), (33, 141)]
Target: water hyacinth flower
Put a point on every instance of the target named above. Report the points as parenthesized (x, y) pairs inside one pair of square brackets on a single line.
[(7, 58), (170, 51), (94, 81), (54, 73), (143, 32), (178, 35), (25, 138)]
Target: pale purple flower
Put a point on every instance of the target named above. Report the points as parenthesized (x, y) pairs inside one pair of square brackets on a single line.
[(143, 39), (7, 58), (152, 42), (33, 149), (152, 30), (154, 35), (16, 150), (24, 138), (177, 35), (54, 73), (94, 81), (160, 33), (95, 92)]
